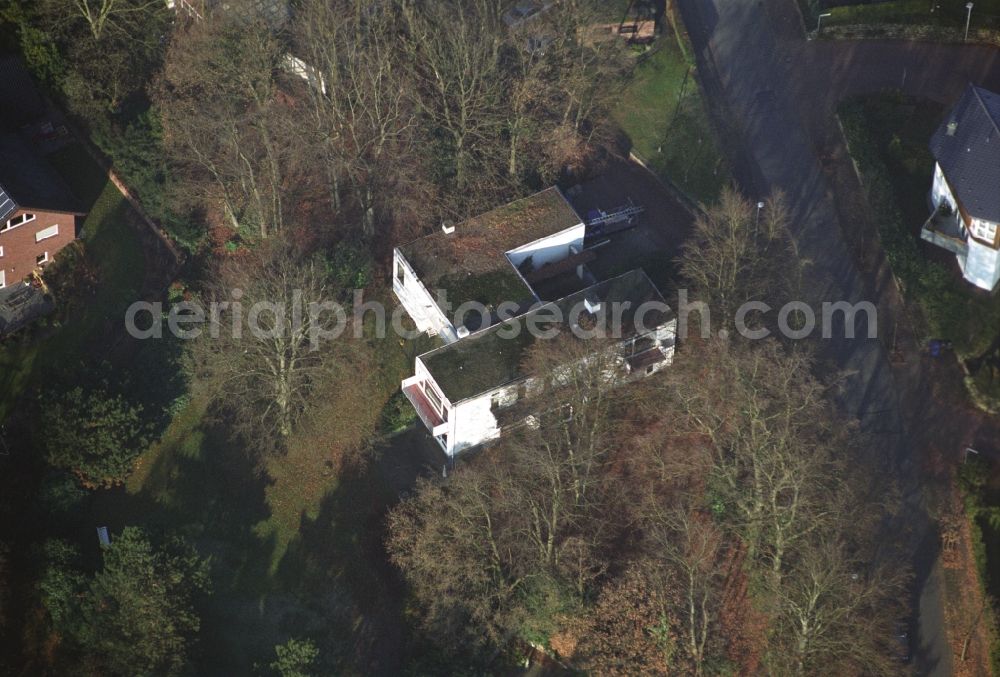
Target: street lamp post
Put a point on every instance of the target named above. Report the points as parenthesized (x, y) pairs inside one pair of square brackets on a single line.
[(819, 21), (756, 218), (968, 20)]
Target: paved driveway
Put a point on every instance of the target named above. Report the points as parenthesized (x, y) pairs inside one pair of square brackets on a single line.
[(662, 228), (772, 95)]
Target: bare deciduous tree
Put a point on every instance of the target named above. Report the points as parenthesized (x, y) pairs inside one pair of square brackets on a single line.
[(101, 17), (223, 121), (590, 74), (630, 630), (740, 253), (455, 52), (772, 436), (454, 543), (361, 111), (271, 347), (111, 47), (835, 614), (689, 546)]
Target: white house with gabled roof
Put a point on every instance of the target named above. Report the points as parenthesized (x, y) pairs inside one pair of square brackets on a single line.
[(965, 193)]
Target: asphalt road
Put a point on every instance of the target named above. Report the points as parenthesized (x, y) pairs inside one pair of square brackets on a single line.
[(772, 95)]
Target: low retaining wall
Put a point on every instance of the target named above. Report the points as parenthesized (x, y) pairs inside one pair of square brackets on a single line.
[(914, 32)]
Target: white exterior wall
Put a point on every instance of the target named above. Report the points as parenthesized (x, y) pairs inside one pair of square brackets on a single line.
[(549, 249), (666, 338), (474, 423), (423, 376), (940, 192), (417, 300), (311, 75), (982, 267)]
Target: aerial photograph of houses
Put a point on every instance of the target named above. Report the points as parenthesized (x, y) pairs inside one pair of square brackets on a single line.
[(500, 337)]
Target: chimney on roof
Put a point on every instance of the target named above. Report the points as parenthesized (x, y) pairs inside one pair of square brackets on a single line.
[(462, 331), (592, 304), (952, 127), (447, 227)]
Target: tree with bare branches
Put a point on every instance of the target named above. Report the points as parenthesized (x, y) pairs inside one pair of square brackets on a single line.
[(274, 343), (772, 437), (455, 54), (685, 547), (110, 47), (463, 561), (361, 114), (630, 629), (836, 613), (223, 121), (101, 16), (740, 252)]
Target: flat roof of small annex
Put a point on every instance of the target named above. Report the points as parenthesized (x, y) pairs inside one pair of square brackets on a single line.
[(470, 265), (486, 360)]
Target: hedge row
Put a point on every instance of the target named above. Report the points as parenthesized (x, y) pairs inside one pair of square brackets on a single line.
[(927, 283), (972, 481)]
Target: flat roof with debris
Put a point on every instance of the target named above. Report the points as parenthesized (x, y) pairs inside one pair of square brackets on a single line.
[(492, 358), (470, 263)]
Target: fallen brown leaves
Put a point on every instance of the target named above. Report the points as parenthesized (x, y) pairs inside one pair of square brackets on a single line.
[(964, 605), (744, 627)]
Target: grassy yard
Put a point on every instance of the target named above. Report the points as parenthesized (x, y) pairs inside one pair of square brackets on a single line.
[(616, 10), (888, 136), (985, 14), (279, 531), (111, 249), (663, 114), (296, 547)]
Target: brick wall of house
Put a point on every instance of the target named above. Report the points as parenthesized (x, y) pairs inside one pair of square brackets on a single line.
[(20, 248)]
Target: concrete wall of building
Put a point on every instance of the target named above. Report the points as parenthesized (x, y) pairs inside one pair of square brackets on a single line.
[(982, 265), (549, 249), (474, 423), (940, 191), (417, 300), (22, 247)]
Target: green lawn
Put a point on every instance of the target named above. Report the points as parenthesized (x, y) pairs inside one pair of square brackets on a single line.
[(985, 14), (663, 114), (285, 562), (614, 10), (280, 531), (112, 251)]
